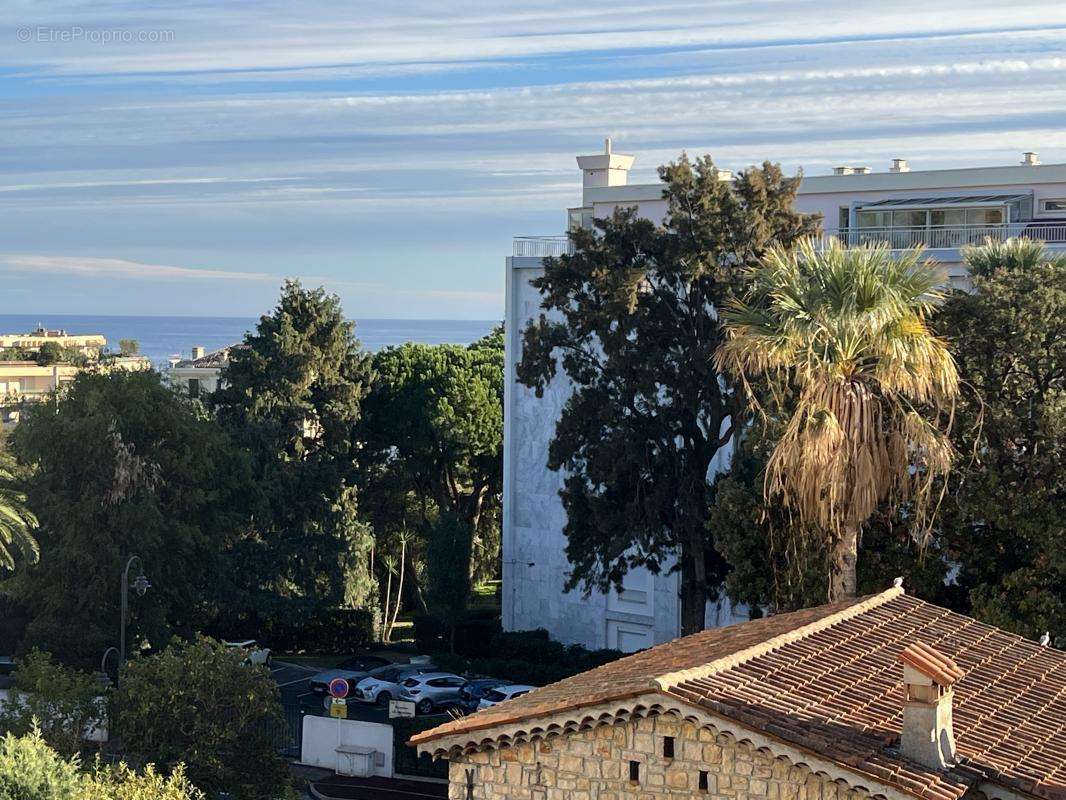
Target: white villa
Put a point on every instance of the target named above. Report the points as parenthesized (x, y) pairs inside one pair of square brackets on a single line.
[(940, 209)]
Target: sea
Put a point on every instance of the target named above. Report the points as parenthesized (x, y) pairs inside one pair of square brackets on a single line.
[(161, 338)]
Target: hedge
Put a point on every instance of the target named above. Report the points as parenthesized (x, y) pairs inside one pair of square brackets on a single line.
[(474, 634), (337, 630)]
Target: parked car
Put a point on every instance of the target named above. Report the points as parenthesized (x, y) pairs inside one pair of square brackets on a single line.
[(383, 683), (501, 693), (432, 690), (472, 691), (255, 654), (352, 670)]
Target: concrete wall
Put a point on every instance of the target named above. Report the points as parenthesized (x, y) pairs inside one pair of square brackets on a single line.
[(323, 735), (594, 765)]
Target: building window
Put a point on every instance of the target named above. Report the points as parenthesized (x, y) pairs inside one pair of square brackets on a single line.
[(668, 747), (703, 780), (194, 387), (634, 772), (1056, 206), (843, 218)]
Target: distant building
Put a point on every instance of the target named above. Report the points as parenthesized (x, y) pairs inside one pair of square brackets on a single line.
[(939, 209), (201, 374), (24, 383), (89, 344)]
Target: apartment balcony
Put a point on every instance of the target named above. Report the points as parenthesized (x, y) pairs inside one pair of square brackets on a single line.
[(951, 237), (942, 238)]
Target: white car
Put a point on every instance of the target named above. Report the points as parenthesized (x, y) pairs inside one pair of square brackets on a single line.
[(501, 693), (255, 653), (383, 683)]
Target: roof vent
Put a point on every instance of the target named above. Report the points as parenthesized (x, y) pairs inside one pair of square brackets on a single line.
[(900, 165), (851, 170), (1030, 159), (928, 677)]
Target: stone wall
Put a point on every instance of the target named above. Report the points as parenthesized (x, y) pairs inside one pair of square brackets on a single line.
[(595, 765)]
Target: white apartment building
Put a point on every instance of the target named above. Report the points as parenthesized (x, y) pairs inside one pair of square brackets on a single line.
[(939, 209), (201, 374)]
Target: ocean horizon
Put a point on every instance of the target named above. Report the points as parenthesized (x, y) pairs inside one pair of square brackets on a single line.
[(163, 337)]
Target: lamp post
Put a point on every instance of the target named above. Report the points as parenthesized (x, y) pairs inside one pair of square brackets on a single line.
[(140, 585)]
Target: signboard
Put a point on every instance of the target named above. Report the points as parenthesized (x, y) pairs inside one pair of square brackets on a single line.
[(338, 707), (338, 688), (401, 708)]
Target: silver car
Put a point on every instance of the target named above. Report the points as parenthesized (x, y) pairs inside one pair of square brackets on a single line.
[(383, 683), (431, 690)]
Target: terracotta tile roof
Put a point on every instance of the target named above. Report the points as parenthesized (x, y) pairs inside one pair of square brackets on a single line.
[(828, 680), (931, 663)]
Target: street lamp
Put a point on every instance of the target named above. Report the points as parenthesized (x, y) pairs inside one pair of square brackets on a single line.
[(140, 585)]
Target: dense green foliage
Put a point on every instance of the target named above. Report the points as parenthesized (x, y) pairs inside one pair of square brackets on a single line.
[(122, 466), (1003, 521), (197, 704), (58, 702), (433, 429), (31, 770), (292, 398), (17, 522), (630, 317)]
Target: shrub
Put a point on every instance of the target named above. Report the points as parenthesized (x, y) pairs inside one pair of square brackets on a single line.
[(123, 783), (195, 703), (31, 770), (474, 633), (334, 630), (59, 703)]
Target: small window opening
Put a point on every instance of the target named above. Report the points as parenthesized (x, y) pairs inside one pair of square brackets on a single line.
[(668, 747), (703, 780), (634, 771)]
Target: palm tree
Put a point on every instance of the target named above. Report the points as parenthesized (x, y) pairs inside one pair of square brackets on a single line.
[(17, 522), (842, 332)]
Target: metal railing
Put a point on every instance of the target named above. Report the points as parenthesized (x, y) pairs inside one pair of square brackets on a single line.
[(898, 238), (541, 246), (951, 236)]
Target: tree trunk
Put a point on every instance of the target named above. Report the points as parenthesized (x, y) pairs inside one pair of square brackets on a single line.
[(693, 585), (845, 561)]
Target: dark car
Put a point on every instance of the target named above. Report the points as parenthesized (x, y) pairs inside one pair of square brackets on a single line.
[(352, 670), (472, 691)]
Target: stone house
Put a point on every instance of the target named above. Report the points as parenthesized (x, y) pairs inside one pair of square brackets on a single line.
[(881, 697)]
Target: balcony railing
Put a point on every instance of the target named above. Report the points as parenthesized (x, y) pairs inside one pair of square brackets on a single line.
[(951, 236), (932, 237), (541, 246)]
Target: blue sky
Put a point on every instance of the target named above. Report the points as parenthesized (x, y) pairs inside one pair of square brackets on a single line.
[(166, 158)]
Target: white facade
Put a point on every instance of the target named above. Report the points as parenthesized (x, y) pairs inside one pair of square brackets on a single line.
[(940, 209)]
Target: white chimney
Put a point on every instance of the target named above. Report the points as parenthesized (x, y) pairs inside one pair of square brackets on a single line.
[(845, 170), (197, 352), (1030, 159), (928, 678), (900, 165), (606, 169)]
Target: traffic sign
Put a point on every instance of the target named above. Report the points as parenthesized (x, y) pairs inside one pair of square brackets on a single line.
[(338, 688), (338, 707)]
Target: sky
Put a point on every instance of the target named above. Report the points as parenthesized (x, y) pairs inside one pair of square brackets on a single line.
[(184, 158)]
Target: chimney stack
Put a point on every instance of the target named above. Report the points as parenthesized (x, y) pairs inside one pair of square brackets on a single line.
[(606, 169), (900, 165), (845, 170), (197, 352), (1030, 159), (928, 678)]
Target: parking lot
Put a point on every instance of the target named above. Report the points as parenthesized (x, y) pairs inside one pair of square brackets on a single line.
[(292, 681)]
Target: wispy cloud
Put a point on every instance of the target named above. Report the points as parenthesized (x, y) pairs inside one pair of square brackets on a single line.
[(85, 267)]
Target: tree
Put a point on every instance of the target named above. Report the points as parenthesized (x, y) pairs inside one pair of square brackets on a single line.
[(129, 347), (293, 396), (51, 353), (448, 558), (17, 522), (846, 330), (1003, 520), (630, 318), (121, 466), (197, 704), (433, 429)]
